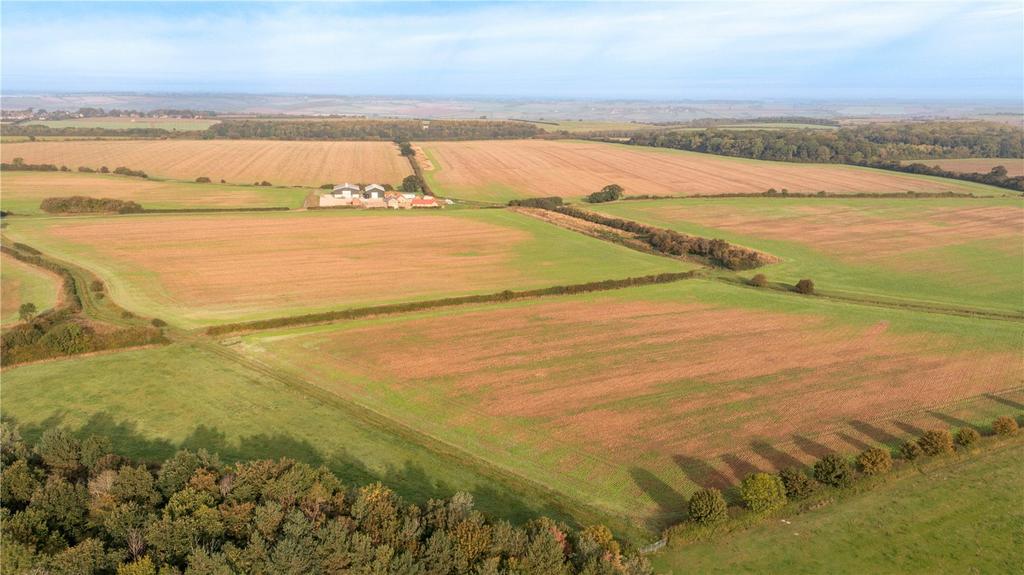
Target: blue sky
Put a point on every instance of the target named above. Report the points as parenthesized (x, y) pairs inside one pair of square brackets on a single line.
[(687, 50)]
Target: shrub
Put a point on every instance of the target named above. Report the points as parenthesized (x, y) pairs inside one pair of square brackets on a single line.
[(85, 204), (265, 183), (967, 436), (796, 482), (1005, 426), (121, 170), (324, 187), (759, 280), (609, 193), (804, 286), (548, 203), (874, 461), (104, 170), (96, 285), (707, 506), (127, 314), (27, 311), (223, 181), (936, 442), (833, 470), (202, 180), (763, 492), (910, 450), (86, 170), (157, 322)]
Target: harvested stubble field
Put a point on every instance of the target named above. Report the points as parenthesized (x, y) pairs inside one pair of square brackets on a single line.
[(954, 252), (203, 269), (502, 170), (24, 283), (21, 192), (630, 400), (1014, 166), (236, 161)]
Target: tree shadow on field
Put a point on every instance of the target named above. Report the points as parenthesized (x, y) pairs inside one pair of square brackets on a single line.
[(701, 473), (740, 467), (811, 447), (410, 480), (954, 421), (876, 434), (851, 440), (909, 428), (667, 499), (778, 458), (1005, 401)]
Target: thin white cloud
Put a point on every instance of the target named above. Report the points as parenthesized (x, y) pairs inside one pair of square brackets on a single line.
[(477, 49)]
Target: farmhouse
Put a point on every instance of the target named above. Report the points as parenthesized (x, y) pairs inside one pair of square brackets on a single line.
[(374, 196)]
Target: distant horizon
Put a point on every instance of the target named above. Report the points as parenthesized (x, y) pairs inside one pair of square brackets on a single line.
[(692, 51)]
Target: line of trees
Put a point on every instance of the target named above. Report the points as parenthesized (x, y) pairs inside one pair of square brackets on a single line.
[(76, 507), (87, 205), (864, 145), (364, 129), (506, 295), (762, 493), (719, 252)]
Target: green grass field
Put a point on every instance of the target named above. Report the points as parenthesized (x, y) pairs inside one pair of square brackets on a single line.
[(629, 400), (152, 402), (963, 517), (194, 270), (954, 252), (23, 283), (116, 123), (23, 191)]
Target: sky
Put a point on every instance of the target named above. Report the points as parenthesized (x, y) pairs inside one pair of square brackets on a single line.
[(659, 51)]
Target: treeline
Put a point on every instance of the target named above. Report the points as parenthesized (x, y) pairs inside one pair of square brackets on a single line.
[(360, 129), (674, 243), (19, 165), (63, 330), (997, 176), (91, 112), (87, 205), (763, 494), (78, 508), (862, 145), (347, 129), (507, 295)]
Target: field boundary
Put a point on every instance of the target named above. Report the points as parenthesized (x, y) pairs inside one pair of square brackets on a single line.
[(502, 296), (891, 304)]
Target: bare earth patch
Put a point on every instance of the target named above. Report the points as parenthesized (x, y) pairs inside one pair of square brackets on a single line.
[(574, 169), (236, 161)]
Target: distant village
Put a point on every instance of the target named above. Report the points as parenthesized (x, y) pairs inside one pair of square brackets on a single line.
[(375, 196)]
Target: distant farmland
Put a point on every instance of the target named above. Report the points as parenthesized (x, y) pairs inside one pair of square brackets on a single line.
[(236, 161), (957, 252), (23, 191), (118, 123), (629, 400), (1014, 166), (500, 171), (201, 269)]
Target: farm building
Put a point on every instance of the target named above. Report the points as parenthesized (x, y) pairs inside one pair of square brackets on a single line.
[(374, 196)]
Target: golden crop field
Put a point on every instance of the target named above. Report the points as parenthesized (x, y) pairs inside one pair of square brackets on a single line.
[(1014, 166), (503, 170), (235, 161)]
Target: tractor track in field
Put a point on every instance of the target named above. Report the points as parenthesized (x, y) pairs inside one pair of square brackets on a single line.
[(575, 510)]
